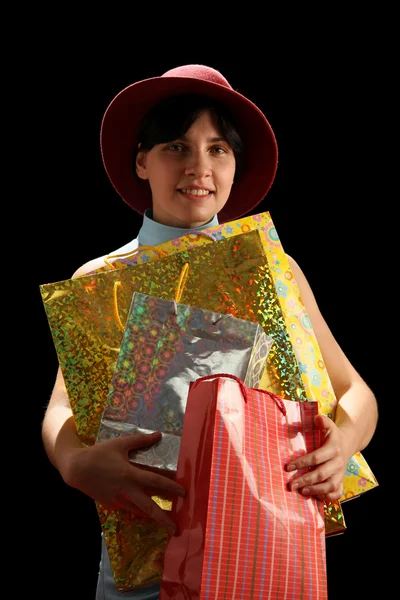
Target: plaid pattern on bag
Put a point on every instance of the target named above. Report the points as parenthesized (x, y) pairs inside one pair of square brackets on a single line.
[(242, 532)]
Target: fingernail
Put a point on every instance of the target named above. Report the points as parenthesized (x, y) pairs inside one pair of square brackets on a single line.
[(295, 486), (291, 467), (305, 490)]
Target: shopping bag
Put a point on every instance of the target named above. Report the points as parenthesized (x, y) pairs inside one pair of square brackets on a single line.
[(165, 346), (315, 379), (87, 316), (313, 372), (241, 532)]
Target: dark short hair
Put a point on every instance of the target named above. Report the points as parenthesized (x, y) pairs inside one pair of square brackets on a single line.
[(170, 119)]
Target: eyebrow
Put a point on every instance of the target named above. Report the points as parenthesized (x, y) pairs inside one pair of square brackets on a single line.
[(211, 140)]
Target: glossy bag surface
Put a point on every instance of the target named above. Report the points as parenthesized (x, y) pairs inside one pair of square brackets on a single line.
[(166, 345), (242, 532)]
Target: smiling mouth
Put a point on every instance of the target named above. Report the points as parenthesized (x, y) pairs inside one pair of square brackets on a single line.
[(195, 192)]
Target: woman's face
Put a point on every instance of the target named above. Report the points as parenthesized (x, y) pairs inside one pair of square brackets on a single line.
[(190, 178)]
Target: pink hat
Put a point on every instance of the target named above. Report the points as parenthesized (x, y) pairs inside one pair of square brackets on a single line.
[(122, 118)]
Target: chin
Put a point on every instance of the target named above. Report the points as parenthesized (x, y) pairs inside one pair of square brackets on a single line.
[(185, 217), (198, 218)]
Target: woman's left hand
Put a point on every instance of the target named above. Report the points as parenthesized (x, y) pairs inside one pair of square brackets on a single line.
[(327, 464)]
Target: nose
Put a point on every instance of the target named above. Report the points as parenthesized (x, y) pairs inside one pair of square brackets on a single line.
[(198, 165)]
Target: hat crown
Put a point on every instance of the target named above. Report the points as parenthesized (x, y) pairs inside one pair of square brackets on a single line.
[(199, 72)]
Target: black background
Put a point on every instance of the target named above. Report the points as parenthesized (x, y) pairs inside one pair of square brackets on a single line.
[(330, 205)]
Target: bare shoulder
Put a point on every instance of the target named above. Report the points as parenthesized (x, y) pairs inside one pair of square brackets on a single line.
[(293, 264), (101, 261), (341, 371), (91, 265), (301, 280), (308, 298)]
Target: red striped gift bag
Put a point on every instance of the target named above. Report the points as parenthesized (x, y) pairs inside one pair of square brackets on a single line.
[(242, 533)]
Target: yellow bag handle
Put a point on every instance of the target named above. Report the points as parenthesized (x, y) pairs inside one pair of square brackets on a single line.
[(160, 253), (178, 294)]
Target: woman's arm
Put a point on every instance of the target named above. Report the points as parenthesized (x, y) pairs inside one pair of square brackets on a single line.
[(356, 413), (103, 471)]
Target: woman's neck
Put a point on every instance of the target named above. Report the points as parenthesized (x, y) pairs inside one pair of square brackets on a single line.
[(152, 233)]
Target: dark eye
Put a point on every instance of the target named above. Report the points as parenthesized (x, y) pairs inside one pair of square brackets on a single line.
[(218, 150), (175, 147)]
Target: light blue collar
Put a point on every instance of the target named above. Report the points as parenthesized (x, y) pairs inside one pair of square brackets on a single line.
[(152, 233)]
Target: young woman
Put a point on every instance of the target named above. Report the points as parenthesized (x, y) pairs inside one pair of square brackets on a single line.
[(187, 152)]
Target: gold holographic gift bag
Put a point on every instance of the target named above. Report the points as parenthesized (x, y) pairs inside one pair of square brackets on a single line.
[(87, 316), (166, 345)]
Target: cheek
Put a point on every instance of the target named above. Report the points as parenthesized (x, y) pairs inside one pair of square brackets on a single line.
[(158, 177), (227, 174), (164, 173)]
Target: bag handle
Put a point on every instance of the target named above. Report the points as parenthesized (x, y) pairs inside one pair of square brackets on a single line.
[(243, 388), (115, 305), (160, 253), (178, 294)]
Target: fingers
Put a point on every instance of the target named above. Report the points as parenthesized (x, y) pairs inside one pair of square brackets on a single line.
[(155, 481), (148, 478), (323, 422), (145, 482), (326, 482), (130, 486), (319, 464), (326, 490), (326, 460), (329, 475), (138, 440), (321, 472), (136, 495)]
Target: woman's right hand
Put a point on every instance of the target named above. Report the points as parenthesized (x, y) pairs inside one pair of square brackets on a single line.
[(104, 472)]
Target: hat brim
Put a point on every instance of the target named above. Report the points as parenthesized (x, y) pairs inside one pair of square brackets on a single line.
[(120, 126)]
